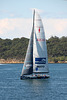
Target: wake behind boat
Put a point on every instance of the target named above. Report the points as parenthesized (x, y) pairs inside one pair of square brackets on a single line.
[(36, 60)]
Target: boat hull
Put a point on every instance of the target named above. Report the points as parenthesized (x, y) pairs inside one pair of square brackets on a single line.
[(34, 77)]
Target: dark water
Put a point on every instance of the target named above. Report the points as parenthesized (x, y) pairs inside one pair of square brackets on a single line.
[(12, 88)]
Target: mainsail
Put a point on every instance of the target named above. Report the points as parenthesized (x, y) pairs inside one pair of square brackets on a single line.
[(40, 60)]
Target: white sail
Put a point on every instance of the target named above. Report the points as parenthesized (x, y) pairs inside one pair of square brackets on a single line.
[(28, 63), (40, 59)]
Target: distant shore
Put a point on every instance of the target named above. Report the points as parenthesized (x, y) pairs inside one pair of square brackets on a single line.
[(9, 61)]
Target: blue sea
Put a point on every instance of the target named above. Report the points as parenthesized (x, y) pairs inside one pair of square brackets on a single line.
[(53, 88)]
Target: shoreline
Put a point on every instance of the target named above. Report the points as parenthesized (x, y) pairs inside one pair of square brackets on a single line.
[(10, 61), (16, 61), (23, 63)]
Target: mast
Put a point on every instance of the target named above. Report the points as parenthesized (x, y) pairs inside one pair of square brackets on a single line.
[(33, 25), (33, 20)]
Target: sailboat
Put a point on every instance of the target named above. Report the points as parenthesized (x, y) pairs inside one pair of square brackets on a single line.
[(36, 60)]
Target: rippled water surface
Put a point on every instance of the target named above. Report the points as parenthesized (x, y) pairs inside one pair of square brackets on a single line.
[(12, 88)]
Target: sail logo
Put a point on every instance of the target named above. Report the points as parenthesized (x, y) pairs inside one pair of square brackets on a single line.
[(40, 39), (40, 60), (43, 60), (39, 30)]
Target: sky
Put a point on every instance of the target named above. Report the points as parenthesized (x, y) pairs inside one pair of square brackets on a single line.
[(16, 17)]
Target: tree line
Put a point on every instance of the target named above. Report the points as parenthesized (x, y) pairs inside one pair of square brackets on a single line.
[(16, 48)]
